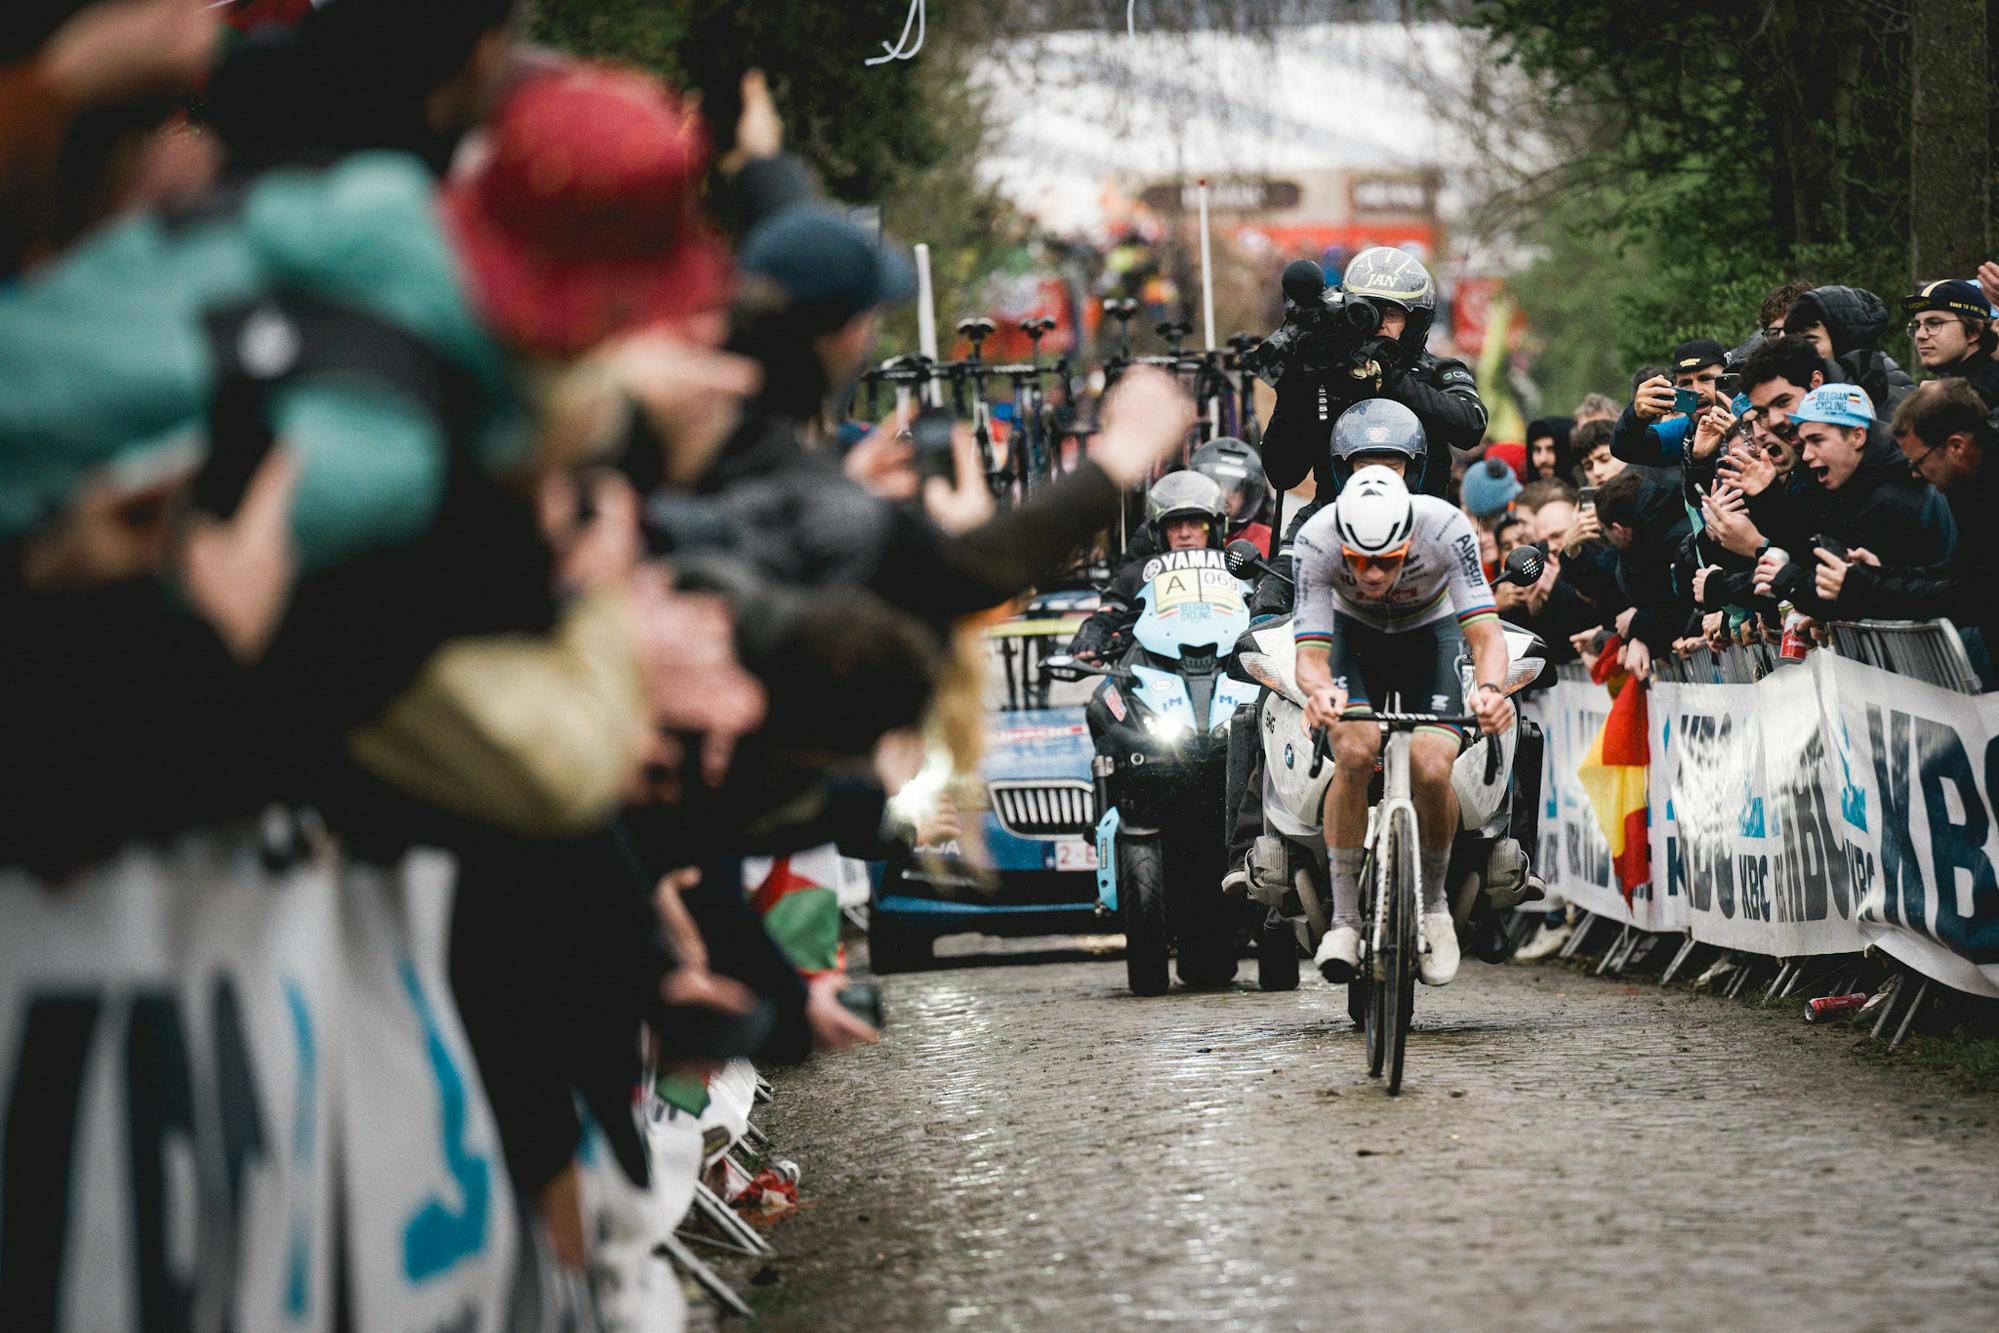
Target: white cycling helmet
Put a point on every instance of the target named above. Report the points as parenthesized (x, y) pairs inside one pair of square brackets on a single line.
[(1374, 515)]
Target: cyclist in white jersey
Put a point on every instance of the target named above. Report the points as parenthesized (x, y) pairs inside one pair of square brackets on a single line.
[(1389, 589)]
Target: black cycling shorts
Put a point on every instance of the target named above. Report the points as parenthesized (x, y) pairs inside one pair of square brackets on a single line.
[(1407, 671)]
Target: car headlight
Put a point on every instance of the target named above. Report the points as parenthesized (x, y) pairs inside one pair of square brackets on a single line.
[(1166, 728)]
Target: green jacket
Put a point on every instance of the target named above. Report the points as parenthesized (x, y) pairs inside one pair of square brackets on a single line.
[(103, 357)]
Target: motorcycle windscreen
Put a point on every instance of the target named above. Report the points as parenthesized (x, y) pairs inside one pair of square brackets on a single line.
[(1191, 601)]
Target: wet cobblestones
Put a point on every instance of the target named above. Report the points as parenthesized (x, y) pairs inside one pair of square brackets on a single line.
[(1031, 1147)]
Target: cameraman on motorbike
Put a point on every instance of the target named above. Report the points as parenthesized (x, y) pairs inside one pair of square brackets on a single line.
[(1390, 588), (1363, 340), (1184, 512)]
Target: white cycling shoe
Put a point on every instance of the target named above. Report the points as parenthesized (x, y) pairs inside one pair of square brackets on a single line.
[(1338, 958), (1438, 962)]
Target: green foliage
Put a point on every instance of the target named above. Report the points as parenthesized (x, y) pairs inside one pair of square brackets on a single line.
[(1730, 148)]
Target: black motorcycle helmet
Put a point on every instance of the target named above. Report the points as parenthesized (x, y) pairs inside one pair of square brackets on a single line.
[(1379, 426), (1185, 495), (1385, 275), (1238, 469)]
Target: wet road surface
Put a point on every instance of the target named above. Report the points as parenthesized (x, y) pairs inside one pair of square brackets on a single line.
[(1031, 1147)]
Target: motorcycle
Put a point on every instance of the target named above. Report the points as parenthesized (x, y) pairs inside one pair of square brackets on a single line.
[(1159, 722), (1491, 866)]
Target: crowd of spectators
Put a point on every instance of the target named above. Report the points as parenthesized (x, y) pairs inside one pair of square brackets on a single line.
[(1756, 490), (410, 439)]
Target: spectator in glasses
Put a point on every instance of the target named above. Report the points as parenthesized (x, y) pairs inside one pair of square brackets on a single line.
[(1954, 335)]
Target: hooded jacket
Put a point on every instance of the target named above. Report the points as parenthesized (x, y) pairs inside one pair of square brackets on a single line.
[(1961, 588), (1855, 319), (1647, 569), (1978, 370)]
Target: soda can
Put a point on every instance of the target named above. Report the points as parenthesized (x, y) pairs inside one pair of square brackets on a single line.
[(1795, 645), (787, 1170), (1829, 1006)]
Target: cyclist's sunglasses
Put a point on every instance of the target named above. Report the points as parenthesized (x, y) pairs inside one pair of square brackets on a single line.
[(1361, 562)]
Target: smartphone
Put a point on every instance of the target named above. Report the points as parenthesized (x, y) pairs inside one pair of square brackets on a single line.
[(234, 455), (1832, 546), (931, 434), (1686, 402), (1588, 497)]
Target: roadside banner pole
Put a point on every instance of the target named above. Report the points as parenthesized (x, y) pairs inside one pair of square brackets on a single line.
[(926, 322), (1208, 305)]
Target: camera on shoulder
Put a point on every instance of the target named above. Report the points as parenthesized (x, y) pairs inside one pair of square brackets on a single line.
[(1324, 329)]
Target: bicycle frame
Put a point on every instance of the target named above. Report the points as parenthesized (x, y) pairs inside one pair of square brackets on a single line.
[(1395, 806)]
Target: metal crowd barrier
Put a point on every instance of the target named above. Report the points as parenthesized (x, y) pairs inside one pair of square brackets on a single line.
[(1925, 650)]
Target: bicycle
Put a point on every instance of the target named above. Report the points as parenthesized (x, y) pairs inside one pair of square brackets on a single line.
[(1391, 904)]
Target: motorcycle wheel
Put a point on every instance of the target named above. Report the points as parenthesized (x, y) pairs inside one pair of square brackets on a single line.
[(1142, 903), (1276, 954)]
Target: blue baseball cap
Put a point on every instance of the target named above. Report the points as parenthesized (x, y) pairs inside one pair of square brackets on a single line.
[(1489, 486), (1836, 405), (829, 267)]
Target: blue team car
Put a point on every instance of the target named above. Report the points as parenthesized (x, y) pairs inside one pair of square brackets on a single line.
[(1038, 871)]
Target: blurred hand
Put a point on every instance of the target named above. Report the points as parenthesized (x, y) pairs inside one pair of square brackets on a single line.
[(1623, 622), (1860, 555), (1714, 627), (759, 130), (1768, 566), (1145, 418), (111, 532), (963, 504), (1508, 597), (123, 49), (1586, 528), (883, 461), (692, 396), (602, 549), (834, 1027), (1701, 577), (693, 680), (1653, 400), (1988, 281), (238, 573), (1583, 640)]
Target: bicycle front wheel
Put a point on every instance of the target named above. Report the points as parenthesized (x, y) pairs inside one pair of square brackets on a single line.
[(1392, 979)]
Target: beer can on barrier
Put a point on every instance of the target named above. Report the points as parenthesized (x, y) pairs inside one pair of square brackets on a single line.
[(1795, 645), (1829, 1006)]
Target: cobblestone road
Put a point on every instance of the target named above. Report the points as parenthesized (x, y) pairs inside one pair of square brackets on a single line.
[(1033, 1147)]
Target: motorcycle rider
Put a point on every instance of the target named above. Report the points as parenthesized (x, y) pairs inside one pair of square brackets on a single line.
[(1185, 511), (1238, 469), (1390, 587), (1441, 392)]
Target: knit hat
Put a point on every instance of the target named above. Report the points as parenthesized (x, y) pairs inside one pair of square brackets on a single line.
[(1512, 453), (1489, 487)]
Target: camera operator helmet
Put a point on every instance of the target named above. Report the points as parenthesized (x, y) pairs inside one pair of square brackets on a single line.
[(1185, 495), (1378, 426), (1374, 517), (1238, 469), (1384, 274)]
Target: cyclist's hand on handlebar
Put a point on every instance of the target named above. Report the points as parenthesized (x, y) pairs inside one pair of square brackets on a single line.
[(1323, 706), (1493, 710)]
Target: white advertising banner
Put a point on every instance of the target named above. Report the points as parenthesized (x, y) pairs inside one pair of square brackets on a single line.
[(1827, 807)]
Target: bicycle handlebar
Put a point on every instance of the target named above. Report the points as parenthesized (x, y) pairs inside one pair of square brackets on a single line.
[(1322, 744)]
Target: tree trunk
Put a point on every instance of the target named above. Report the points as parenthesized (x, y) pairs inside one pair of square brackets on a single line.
[(1949, 139)]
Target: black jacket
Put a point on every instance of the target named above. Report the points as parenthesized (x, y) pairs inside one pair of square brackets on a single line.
[(1441, 392), (1647, 570), (1899, 517), (1855, 319), (1960, 588), (1978, 370)]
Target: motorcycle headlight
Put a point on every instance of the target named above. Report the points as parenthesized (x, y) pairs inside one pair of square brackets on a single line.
[(1167, 729), (1523, 672)]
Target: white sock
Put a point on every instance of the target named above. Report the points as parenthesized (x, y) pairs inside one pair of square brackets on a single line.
[(1345, 862)]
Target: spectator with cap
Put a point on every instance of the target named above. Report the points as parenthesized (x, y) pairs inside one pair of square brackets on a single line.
[(1845, 324), (1871, 499), (1650, 432), (1954, 334), (1947, 434)]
